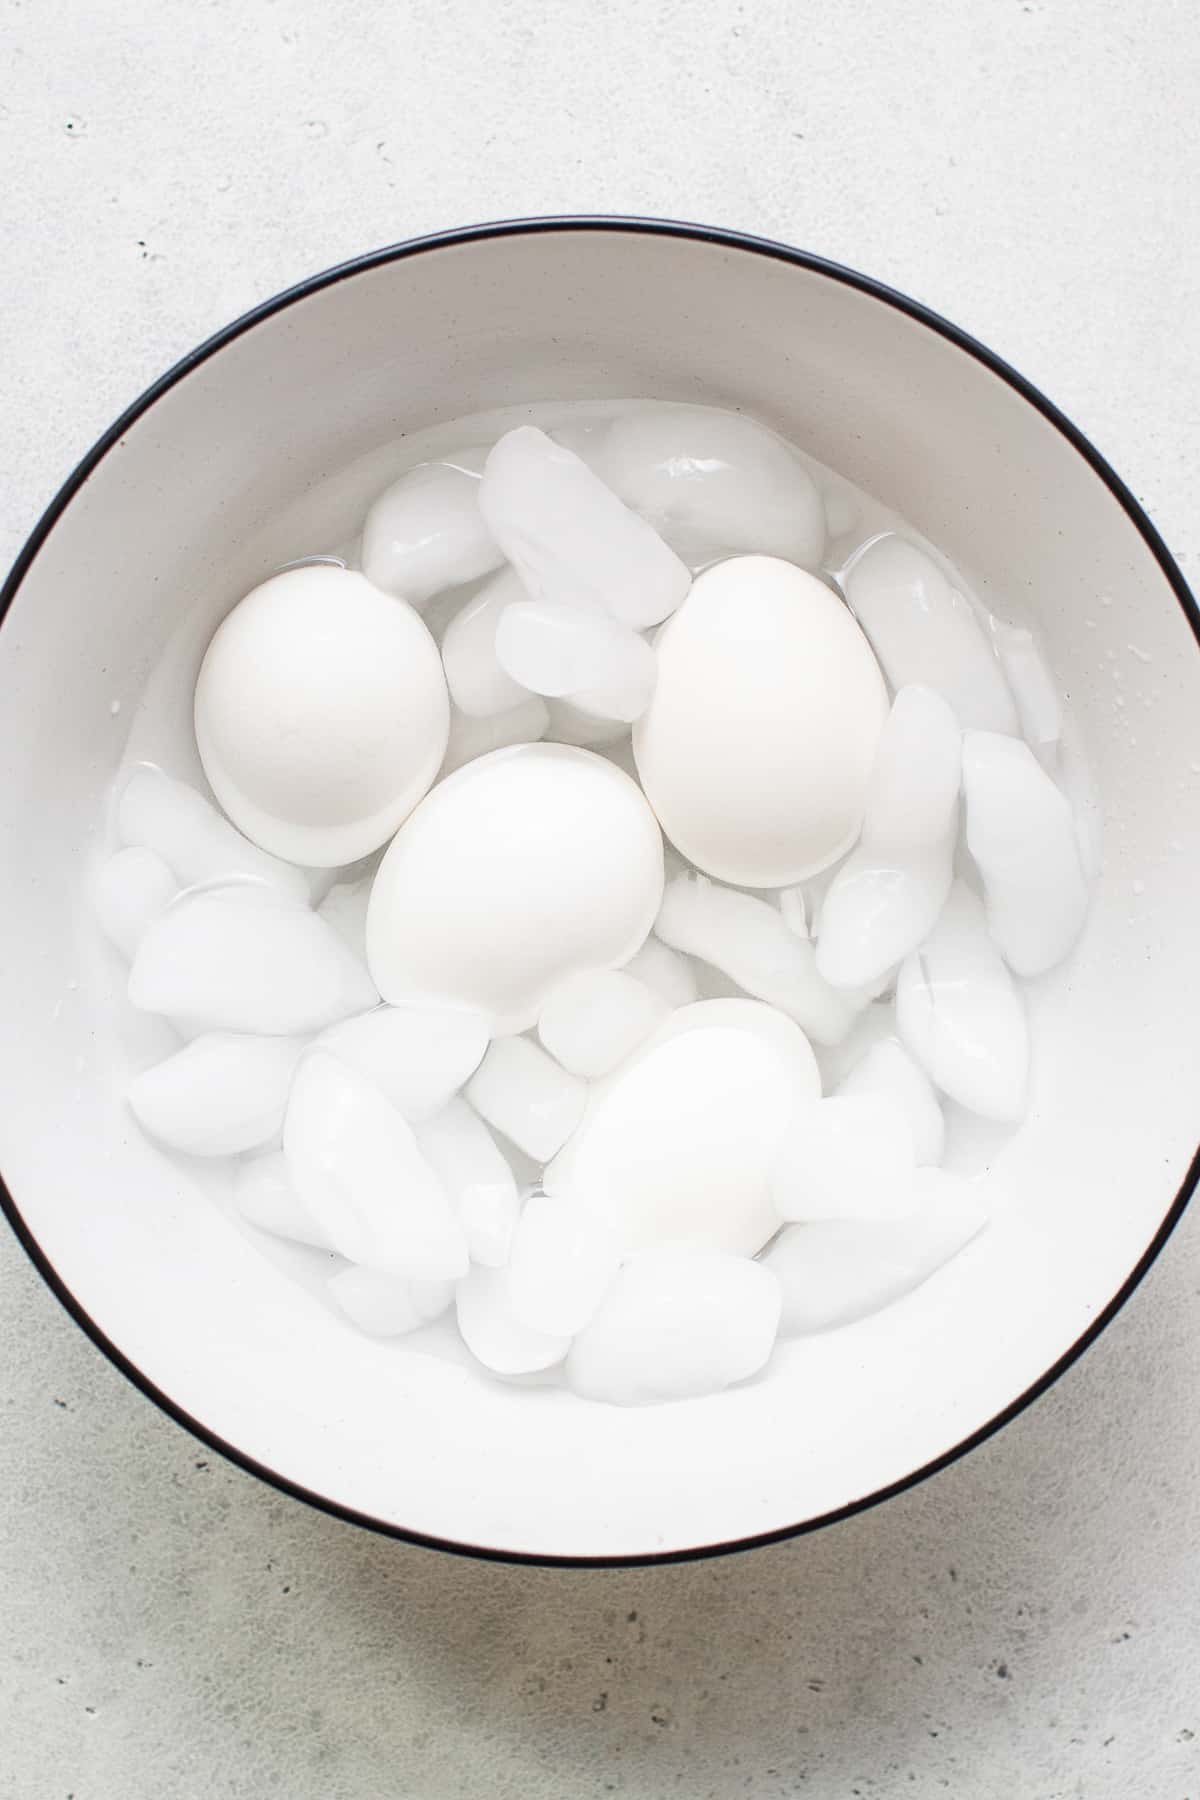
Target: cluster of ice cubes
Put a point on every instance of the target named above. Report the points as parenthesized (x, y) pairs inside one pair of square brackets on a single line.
[(531, 1184)]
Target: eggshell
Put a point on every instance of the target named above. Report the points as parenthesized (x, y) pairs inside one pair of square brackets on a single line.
[(757, 747), (676, 1146), (321, 715), (521, 868)]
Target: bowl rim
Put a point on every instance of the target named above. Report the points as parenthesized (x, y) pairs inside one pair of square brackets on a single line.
[(722, 238)]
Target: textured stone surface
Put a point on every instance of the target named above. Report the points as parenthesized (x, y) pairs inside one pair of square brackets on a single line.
[(1024, 1625)]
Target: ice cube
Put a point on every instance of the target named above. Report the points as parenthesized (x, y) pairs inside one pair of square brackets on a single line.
[(835, 1061), (426, 532), (1032, 685), (912, 800), (355, 1165), (747, 939), (923, 631), (222, 1093), (713, 481), (479, 684), (960, 1015), (469, 738), (593, 1020), (572, 651), (128, 893), (841, 513), (526, 1096), (388, 1305), (264, 1195), (493, 1333), (463, 1154), (571, 724), (563, 1261), (197, 843), (676, 1323), (837, 1270), (887, 1070), (244, 959), (848, 1157), (570, 539), (344, 909), (793, 910), (877, 910), (666, 971), (1021, 832), (884, 900), (416, 1056), (583, 437)]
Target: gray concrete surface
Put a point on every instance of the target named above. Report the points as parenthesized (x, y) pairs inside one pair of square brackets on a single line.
[(1026, 1624)]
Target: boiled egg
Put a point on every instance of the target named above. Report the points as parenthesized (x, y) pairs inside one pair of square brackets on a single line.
[(756, 749), (321, 715), (523, 867)]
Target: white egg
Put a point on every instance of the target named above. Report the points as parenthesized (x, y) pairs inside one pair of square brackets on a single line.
[(321, 715), (518, 870), (757, 747), (676, 1147)]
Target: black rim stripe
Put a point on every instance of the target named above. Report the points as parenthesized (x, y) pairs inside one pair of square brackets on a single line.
[(731, 240)]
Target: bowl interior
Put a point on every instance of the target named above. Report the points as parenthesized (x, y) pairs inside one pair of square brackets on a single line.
[(266, 447)]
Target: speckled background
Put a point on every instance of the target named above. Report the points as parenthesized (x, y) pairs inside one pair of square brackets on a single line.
[(1026, 1624)]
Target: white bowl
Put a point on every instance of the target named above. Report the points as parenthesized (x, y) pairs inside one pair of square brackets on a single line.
[(186, 502)]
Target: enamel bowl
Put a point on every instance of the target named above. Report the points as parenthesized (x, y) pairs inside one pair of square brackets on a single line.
[(205, 484)]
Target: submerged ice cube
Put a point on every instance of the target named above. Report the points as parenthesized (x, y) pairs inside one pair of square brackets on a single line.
[(889, 1072), (221, 1094), (426, 532), (573, 651), (463, 1154), (563, 1261), (884, 900), (912, 801), (670, 975), (469, 738), (748, 940), (593, 1020), (1022, 834), (923, 631), (572, 724), (847, 1157), (479, 684), (527, 1096), (244, 959), (197, 843), (877, 911), (416, 1056), (713, 481), (355, 1165), (1032, 685), (388, 1305), (570, 539), (493, 1333), (264, 1195), (960, 1015), (835, 1271), (344, 909), (675, 1324), (129, 891)]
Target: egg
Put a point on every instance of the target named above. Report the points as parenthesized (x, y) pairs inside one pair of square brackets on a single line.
[(756, 749), (677, 1146), (525, 866), (321, 715)]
